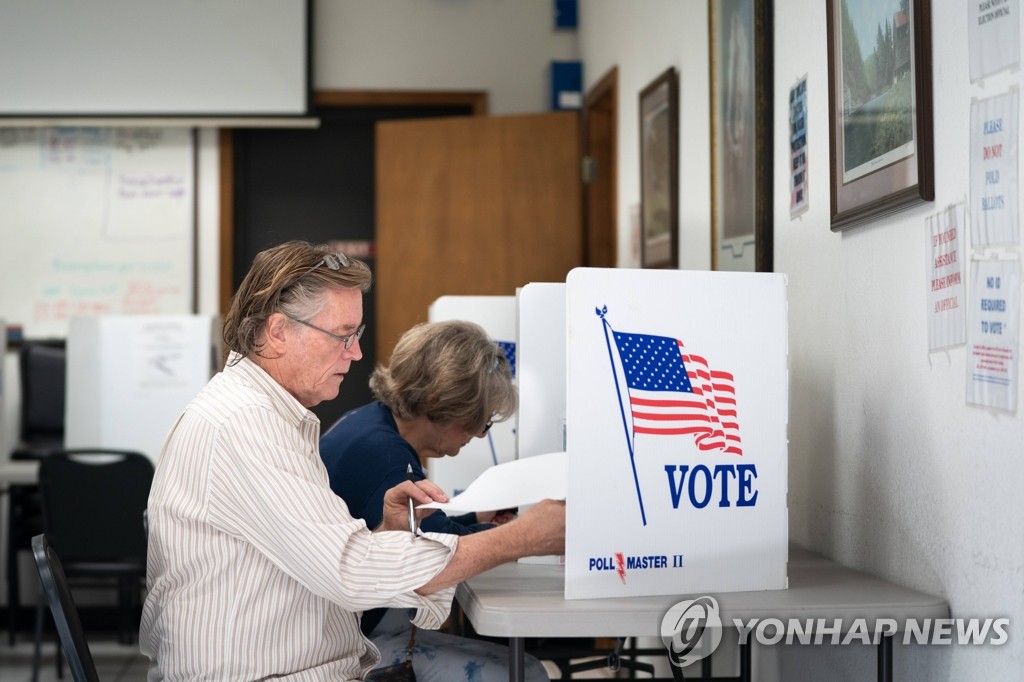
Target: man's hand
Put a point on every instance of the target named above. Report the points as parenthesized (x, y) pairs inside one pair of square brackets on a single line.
[(543, 526), (540, 530), (396, 503)]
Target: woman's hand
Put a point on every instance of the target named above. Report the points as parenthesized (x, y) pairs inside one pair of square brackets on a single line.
[(497, 517)]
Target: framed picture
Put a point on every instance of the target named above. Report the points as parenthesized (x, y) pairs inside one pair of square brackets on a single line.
[(880, 107), (659, 172), (741, 134)]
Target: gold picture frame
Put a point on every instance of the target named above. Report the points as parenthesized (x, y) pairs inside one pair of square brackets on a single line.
[(659, 172), (740, 40)]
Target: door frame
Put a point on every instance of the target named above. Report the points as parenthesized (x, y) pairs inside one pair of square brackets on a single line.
[(476, 100), (606, 87)]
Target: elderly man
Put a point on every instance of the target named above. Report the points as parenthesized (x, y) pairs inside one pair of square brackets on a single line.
[(256, 568)]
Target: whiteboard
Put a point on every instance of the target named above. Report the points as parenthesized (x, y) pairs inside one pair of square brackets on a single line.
[(154, 57), (94, 221)]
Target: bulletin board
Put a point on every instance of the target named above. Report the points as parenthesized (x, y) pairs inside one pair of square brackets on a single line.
[(95, 221)]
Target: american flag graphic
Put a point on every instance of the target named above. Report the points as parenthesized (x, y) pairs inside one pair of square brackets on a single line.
[(509, 348), (673, 392)]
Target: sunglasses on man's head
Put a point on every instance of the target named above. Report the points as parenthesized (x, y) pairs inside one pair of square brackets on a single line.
[(333, 261)]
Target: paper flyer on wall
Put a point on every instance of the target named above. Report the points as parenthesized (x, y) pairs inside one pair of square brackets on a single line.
[(994, 190), (993, 36), (946, 302), (993, 335), (798, 148)]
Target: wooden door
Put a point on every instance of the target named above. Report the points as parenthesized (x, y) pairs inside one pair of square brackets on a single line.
[(472, 206)]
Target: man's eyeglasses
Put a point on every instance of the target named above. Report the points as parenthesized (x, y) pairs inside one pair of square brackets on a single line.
[(346, 340)]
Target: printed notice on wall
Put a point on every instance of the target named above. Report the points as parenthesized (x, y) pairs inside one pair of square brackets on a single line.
[(946, 326), (994, 206), (160, 350), (798, 148), (993, 335), (993, 33)]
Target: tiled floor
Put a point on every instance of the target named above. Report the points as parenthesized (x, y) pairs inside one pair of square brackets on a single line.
[(114, 662)]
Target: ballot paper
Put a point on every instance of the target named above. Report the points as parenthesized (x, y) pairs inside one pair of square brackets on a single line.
[(512, 484)]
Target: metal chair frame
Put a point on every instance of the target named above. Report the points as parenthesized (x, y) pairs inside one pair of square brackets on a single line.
[(65, 614)]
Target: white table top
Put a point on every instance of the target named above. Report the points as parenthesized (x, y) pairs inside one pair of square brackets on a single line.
[(21, 472), (526, 600)]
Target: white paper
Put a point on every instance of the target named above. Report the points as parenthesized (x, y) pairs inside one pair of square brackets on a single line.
[(993, 335), (512, 484), (993, 36), (945, 278), (994, 204)]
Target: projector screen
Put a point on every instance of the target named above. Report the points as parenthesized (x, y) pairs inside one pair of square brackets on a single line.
[(154, 58)]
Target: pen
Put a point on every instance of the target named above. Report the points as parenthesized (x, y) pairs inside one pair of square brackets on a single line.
[(412, 512)]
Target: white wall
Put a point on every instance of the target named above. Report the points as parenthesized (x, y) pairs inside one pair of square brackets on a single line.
[(502, 46), (890, 472), (643, 39)]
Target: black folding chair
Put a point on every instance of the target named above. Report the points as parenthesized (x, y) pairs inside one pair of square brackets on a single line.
[(65, 615), (41, 371), (93, 503)]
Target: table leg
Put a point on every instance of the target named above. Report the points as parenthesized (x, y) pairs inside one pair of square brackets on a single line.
[(885, 659), (516, 659)]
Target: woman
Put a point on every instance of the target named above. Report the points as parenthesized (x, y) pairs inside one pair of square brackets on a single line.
[(447, 383)]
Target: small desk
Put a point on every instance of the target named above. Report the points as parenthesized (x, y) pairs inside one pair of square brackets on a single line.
[(526, 600)]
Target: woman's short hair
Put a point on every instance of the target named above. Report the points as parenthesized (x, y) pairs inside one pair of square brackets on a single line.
[(449, 372), (290, 278)]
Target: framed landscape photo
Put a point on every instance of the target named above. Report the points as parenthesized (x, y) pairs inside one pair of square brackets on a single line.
[(880, 108), (740, 39), (659, 172)]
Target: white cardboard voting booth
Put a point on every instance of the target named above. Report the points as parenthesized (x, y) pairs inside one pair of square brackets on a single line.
[(540, 421), (497, 316), (677, 411), (130, 376)]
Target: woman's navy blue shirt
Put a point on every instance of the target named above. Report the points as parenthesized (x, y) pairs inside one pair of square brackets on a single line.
[(365, 457)]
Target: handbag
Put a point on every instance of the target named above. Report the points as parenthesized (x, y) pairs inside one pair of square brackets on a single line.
[(400, 672)]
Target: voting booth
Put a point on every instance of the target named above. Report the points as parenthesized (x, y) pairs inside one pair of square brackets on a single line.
[(130, 376), (497, 316), (677, 410), (541, 344)]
